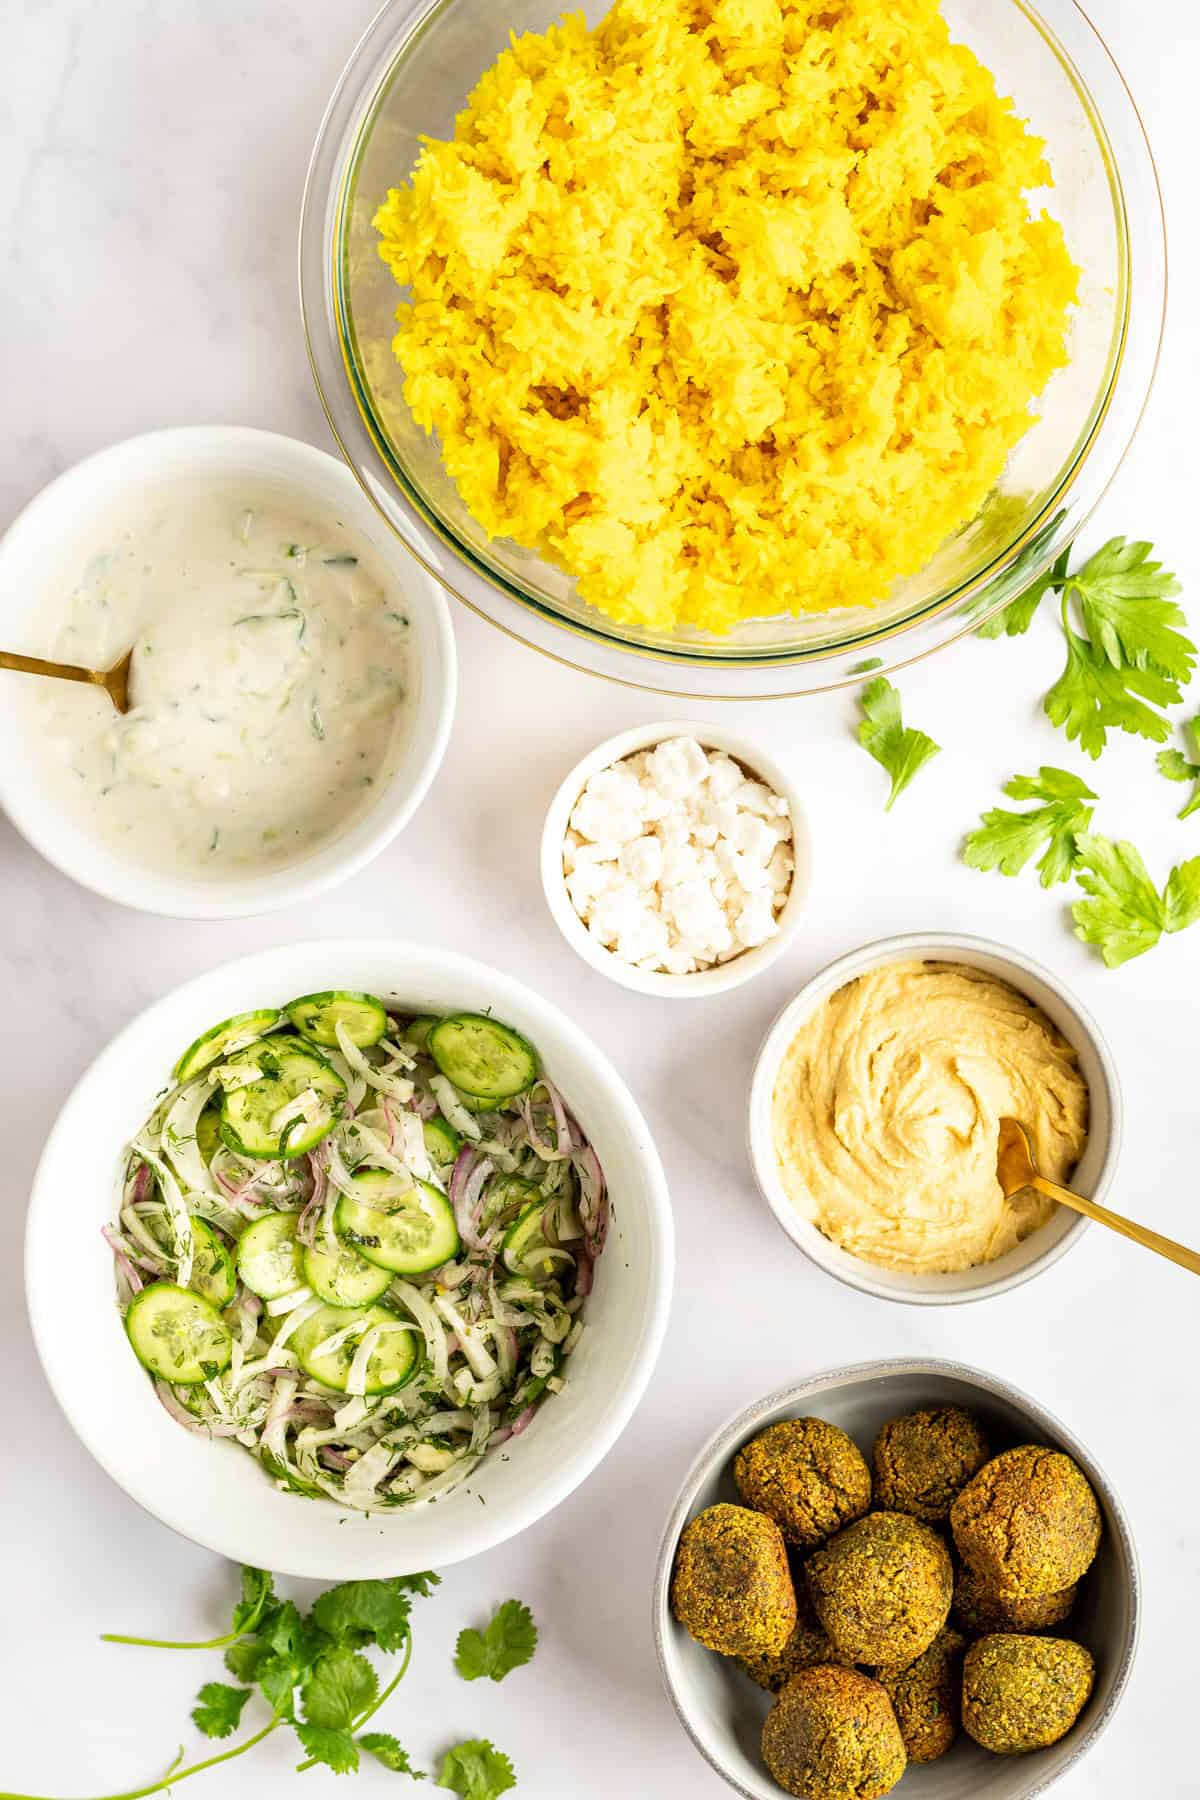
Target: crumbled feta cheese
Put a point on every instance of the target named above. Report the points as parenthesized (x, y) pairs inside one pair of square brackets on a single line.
[(676, 859)]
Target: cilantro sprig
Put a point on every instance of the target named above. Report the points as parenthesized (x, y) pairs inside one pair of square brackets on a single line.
[(311, 1671), (475, 1770), (509, 1640), (902, 751)]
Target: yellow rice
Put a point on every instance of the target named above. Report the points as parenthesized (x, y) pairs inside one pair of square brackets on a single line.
[(729, 307)]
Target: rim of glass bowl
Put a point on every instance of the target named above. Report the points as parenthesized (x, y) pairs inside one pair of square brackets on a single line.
[(723, 672)]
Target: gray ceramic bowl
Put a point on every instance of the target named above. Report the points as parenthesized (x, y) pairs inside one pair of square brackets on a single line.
[(720, 1708)]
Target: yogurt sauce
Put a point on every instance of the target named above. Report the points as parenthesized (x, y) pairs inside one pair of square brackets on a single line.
[(268, 683)]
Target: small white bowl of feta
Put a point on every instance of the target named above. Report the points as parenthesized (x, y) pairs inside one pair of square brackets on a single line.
[(675, 859)]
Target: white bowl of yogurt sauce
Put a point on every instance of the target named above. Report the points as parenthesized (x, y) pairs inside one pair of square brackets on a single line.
[(293, 682)]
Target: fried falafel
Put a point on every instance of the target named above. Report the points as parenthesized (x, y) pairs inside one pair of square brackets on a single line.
[(807, 1475)]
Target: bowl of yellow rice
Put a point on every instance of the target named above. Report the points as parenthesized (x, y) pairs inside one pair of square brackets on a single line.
[(719, 346)]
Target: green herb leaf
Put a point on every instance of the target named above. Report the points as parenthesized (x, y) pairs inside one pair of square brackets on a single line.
[(1128, 612), (476, 1771), (218, 1709), (246, 1659), (865, 668), (342, 1685), (389, 1751), (368, 1612), (1177, 767), (1007, 840), (1124, 915), (509, 1641), (328, 1745), (258, 1596), (1015, 619), (1091, 697), (1182, 897), (882, 734)]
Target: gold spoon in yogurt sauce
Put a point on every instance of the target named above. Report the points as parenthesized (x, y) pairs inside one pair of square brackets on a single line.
[(1016, 1171), (114, 681)]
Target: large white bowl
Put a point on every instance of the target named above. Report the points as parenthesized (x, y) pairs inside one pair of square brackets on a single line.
[(41, 557), (213, 1492), (1097, 1167), (720, 1708)]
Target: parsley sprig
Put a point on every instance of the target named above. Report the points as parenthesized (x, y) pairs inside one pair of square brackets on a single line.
[(1122, 913), (1178, 767), (1008, 840), (1130, 659), (899, 749)]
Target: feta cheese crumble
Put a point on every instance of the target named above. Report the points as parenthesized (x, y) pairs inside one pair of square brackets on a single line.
[(677, 859)]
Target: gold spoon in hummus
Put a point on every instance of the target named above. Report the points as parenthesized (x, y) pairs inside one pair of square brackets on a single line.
[(1017, 1171), (114, 681)]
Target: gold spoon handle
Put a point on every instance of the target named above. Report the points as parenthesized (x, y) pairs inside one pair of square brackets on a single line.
[(35, 665), (1140, 1234)]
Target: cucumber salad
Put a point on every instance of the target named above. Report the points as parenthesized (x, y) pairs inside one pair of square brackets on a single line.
[(358, 1243)]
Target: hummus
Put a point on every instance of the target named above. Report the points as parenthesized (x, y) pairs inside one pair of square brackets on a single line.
[(886, 1115)]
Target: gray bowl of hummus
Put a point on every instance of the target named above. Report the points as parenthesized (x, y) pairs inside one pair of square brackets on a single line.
[(874, 1112)]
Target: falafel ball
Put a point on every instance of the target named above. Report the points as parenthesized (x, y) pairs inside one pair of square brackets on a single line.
[(980, 1610), (927, 1697), (807, 1648), (1028, 1523), (925, 1459), (881, 1589), (807, 1475), (731, 1586), (1024, 1693), (832, 1735)]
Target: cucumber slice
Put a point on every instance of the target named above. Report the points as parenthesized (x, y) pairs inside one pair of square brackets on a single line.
[(268, 1256), (417, 1031), (177, 1335), (441, 1140), (523, 1236), (288, 1068), (485, 1059), (219, 1040), (506, 1191), (344, 1278), (214, 1277), (408, 1231), (208, 1132), (316, 1016), (394, 1360)]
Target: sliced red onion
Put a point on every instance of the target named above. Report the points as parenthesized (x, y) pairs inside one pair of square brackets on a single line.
[(306, 1224), (523, 1423), (584, 1270), (388, 1120), (180, 1413), (123, 1263), (593, 1209), (501, 1435), (562, 1146), (334, 1459), (141, 1183), (467, 1182)]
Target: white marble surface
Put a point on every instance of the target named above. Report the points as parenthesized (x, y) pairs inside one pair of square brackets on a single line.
[(150, 167)]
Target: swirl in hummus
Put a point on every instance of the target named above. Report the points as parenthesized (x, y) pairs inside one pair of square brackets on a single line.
[(886, 1115)]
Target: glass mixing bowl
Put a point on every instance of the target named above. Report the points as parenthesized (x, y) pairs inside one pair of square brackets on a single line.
[(409, 76)]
